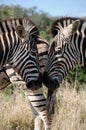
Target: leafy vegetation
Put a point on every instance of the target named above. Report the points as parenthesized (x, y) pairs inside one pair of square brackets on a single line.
[(79, 73), (42, 19)]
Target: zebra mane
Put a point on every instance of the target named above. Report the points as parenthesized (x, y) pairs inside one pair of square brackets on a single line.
[(61, 23), (31, 27), (25, 22)]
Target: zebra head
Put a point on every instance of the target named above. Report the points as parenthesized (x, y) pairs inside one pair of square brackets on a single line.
[(24, 55), (62, 56)]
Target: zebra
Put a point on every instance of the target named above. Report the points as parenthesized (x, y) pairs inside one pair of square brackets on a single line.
[(67, 49), (18, 48), (36, 97)]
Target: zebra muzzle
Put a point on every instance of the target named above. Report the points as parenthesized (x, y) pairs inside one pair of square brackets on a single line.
[(34, 84), (50, 82)]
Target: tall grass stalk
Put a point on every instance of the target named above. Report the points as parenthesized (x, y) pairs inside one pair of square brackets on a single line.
[(15, 114), (70, 110)]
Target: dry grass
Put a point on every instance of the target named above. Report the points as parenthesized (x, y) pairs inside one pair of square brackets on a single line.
[(15, 114), (70, 110)]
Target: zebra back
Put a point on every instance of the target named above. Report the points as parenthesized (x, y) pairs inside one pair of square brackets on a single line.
[(42, 46)]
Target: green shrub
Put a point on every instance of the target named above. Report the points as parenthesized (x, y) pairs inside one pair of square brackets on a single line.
[(78, 74)]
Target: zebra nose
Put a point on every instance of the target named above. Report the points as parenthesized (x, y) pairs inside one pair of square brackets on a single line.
[(50, 83), (34, 84), (53, 84)]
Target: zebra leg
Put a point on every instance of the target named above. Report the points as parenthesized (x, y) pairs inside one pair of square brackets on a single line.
[(38, 101), (37, 119), (38, 123), (46, 121), (4, 79), (51, 102), (36, 98)]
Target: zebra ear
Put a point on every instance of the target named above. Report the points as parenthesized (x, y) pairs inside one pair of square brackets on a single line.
[(71, 29), (20, 30)]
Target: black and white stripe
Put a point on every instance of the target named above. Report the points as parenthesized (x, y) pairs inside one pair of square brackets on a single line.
[(18, 48), (36, 97), (67, 49)]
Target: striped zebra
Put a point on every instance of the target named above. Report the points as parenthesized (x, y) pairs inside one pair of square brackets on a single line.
[(67, 49), (36, 97), (18, 48)]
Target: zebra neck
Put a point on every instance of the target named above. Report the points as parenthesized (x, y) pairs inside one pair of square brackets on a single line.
[(14, 47), (83, 52)]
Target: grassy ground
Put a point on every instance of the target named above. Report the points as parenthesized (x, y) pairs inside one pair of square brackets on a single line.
[(70, 110), (15, 113)]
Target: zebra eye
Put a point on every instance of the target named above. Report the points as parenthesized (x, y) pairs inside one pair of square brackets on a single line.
[(59, 48)]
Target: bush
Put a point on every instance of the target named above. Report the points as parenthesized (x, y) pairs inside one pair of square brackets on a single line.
[(77, 74)]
